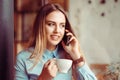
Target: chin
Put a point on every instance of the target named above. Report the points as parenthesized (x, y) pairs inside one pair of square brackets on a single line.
[(55, 43)]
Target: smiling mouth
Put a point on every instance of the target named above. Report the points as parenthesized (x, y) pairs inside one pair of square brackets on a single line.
[(54, 37)]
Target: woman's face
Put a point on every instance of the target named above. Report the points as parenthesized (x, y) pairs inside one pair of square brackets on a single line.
[(55, 28)]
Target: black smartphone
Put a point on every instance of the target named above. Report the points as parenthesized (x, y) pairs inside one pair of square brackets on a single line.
[(66, 39)]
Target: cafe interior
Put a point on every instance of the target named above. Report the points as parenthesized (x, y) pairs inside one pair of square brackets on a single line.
[(95, 22)]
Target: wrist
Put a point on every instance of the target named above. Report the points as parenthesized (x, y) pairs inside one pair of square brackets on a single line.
[(75, 56), (79, 62)]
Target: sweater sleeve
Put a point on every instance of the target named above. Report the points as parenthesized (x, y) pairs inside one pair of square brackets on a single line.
[(84, 73)]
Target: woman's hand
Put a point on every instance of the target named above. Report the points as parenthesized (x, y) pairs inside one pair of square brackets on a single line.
[(49, 70), (73, 49)]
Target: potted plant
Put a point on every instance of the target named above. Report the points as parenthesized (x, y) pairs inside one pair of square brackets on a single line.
[(112, 71)]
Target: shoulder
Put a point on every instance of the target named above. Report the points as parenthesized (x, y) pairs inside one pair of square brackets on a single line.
[(24, 54)]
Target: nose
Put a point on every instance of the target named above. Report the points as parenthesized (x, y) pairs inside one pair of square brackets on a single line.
[(57, 28)]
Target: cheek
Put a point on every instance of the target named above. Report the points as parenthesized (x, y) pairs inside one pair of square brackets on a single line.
[(49, 30), (63, 32)]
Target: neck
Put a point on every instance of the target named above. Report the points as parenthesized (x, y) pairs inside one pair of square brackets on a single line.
[(51, 48)]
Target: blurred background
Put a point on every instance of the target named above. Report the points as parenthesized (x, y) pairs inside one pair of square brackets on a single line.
[(95, 22), (6, 39)]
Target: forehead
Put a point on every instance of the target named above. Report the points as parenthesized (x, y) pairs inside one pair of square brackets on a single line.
[(56, 16)]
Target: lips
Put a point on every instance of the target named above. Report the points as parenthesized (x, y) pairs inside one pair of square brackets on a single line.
[(55, 37)]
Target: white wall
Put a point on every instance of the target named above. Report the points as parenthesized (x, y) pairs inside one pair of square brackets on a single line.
[(99, 36)]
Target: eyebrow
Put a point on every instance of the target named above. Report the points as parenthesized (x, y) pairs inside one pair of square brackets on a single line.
[(54, 21), (50, 21)]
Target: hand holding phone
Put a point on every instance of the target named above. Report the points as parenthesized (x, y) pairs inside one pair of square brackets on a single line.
[(66, 39)]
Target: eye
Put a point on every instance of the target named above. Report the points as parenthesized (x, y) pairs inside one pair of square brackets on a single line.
[(50, 24), (62, 25)]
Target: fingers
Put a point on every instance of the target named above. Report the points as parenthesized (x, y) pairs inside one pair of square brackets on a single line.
[(47, 63), (68, 33), (72, 37), (51, 63)]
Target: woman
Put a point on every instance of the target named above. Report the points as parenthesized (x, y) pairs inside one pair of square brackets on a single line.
[(47, 44)]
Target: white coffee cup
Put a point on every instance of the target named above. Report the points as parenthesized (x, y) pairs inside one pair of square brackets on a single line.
[(64, 65)]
